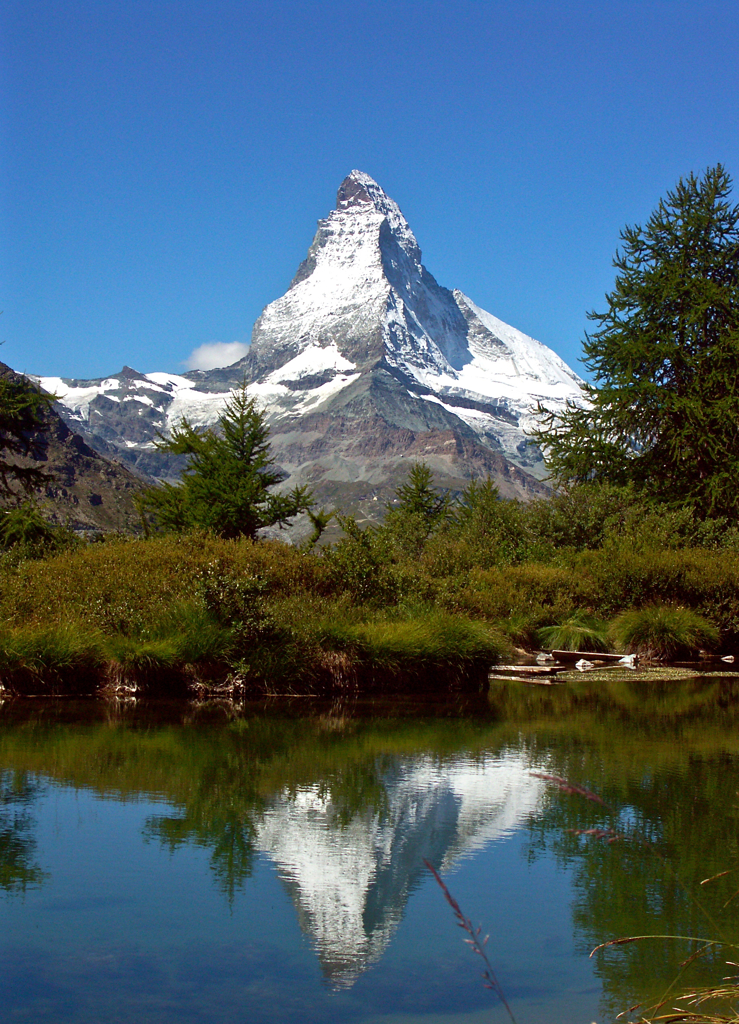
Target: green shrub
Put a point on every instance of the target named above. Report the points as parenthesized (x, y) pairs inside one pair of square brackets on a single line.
[(579, 518), (707, 581), (361, 564), (25, 533), (120, 586), (542, 593)]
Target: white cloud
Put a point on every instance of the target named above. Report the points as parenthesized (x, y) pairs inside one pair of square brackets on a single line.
[(216, 353)]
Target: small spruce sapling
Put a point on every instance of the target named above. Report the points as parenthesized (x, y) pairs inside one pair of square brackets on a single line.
[(227, 486)]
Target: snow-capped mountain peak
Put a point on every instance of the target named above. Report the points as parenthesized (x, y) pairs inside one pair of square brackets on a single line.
[(358, 191), (364, 290), (364, 362)]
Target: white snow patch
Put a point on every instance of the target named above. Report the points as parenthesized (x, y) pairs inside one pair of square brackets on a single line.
[(200, 408), (277, 399), (169, 381), (312, 360), (77, 399), (144, 399)]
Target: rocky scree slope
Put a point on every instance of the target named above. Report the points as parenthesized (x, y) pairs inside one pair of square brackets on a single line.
[(364, 365)]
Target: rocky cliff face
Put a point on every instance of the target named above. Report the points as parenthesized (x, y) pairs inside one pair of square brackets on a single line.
[(364, 364), (87, 491)]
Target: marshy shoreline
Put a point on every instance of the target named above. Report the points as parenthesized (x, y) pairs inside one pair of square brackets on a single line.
[(195, 616)]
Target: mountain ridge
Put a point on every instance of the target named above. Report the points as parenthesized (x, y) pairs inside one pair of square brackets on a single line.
[(363, 364), (87, 491)]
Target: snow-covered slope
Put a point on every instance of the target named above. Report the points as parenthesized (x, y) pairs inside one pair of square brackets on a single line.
[(350, 880), (364, 290), (364, 362)]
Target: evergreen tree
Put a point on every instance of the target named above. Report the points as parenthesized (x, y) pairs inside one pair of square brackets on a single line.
[(22, 427), (226, 486), (662, 412), (419, 510), (418, 497)]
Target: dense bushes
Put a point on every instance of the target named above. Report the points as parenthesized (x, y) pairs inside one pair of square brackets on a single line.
[(429, 593), (122, 583), (197, 610)]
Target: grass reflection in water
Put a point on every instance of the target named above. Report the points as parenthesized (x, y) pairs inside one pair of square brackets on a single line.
[(232, 783)]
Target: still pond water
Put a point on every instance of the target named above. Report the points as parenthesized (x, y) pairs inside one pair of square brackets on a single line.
[(266, 863)]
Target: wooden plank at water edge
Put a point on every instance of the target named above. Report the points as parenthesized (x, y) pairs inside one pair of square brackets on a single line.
[(571, 657), (525, 670)]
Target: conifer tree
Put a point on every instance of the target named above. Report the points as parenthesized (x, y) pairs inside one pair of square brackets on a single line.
[(418, 497), (22, 434), (662, 411), (226, 486), (419, 510)]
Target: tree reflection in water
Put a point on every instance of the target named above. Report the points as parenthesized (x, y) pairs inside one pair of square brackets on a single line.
[(230, 838), (670, 795), (18, 872), (345, 808)]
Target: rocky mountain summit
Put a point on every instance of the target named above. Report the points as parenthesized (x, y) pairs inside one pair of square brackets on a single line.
[(364, 365)]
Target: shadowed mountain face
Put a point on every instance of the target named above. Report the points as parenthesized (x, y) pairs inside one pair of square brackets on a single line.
[(87, 491), (363, 364)]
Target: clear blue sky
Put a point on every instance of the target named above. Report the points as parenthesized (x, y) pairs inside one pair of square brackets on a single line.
[(165, 161)]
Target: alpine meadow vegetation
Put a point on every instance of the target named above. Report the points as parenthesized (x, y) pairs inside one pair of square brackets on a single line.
[(408, 603)]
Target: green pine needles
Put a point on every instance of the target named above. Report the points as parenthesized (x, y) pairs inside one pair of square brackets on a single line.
[(22, 425), (663, 411), (227, 486)]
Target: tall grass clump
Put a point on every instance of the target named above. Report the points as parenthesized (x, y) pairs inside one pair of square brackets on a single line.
[(663, 631), (51, 659), (194, 632), (434, 648), (578, 633)]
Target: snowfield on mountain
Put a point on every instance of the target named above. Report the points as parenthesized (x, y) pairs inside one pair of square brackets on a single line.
[(364, 364)]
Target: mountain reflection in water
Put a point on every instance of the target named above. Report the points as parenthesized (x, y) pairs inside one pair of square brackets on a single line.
[(350, 880), (155, 861)]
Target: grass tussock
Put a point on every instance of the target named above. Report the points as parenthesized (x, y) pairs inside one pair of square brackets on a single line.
[(662, 632), (431, 649), (58, 658), (58, 647), (578, 633)]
